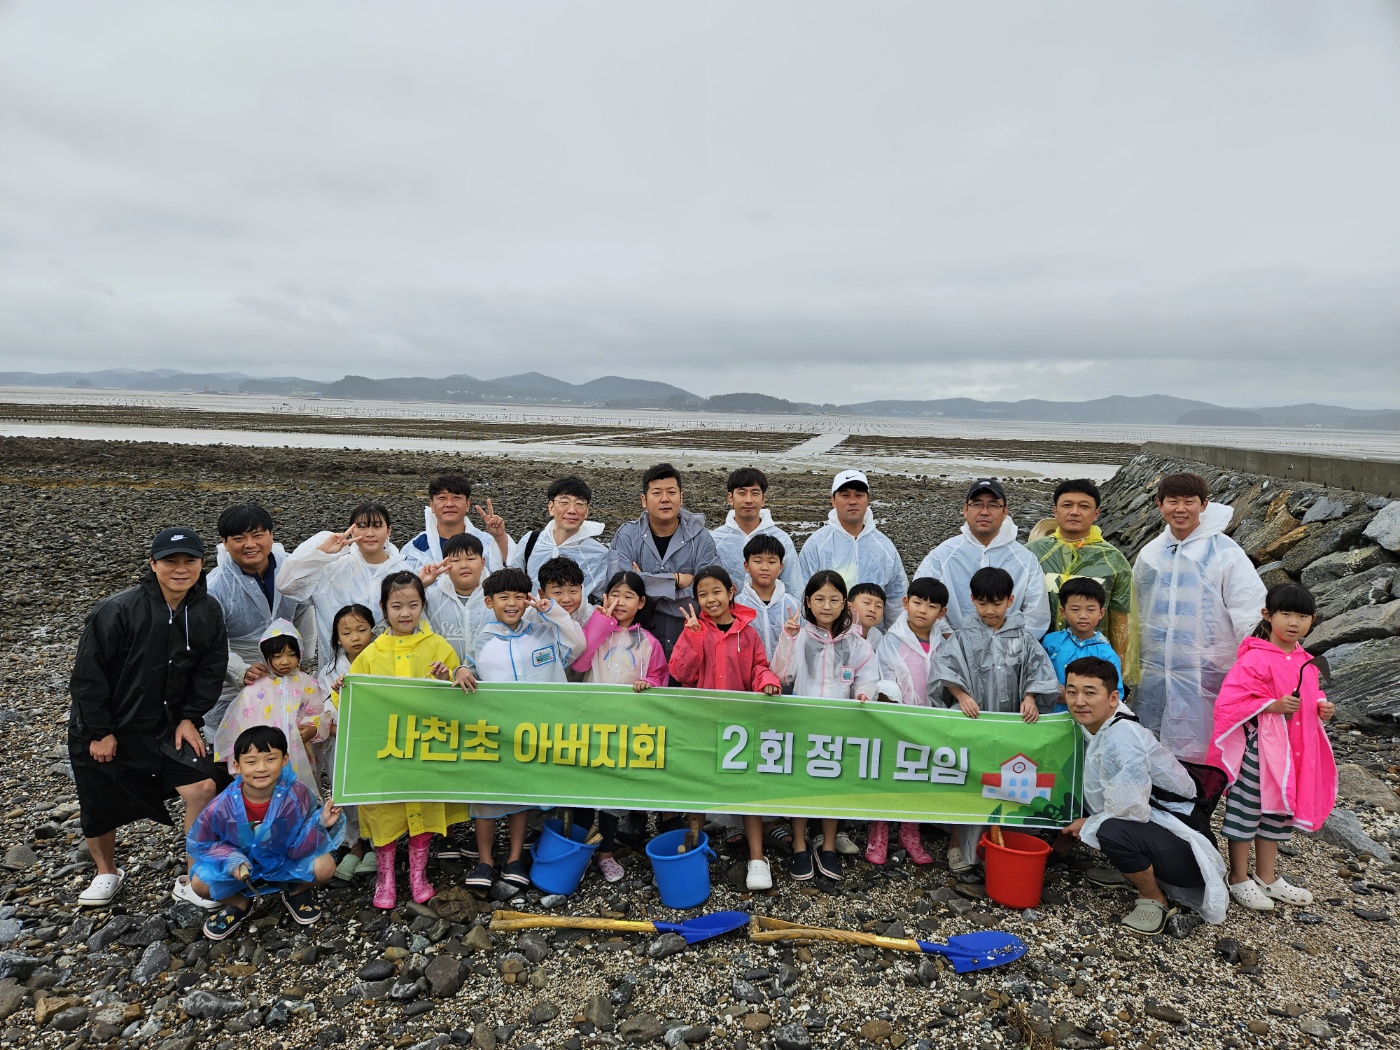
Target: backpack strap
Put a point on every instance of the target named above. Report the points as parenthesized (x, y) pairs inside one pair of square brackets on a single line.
[(530, 547)]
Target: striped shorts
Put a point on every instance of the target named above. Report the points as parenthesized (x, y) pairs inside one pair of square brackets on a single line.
[(1244, 820)]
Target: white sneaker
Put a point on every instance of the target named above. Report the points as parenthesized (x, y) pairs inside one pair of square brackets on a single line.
[(183, 891), (759, 876), (845, 845), (1249, 894), (101, 890), (956, 864), (1281, 890)]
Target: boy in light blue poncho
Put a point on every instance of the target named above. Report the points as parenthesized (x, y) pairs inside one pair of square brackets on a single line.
[(265, 827)]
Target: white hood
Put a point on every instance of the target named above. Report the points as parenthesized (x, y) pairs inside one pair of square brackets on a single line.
[(868, 525), (1005, 535), (765, 522), (590, 529), (1215, 519)]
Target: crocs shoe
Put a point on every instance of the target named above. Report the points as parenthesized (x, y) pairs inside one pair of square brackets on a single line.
[(1283, 891), (611, 869), (369, 864), (1250, 894), (183, 891), (348, 866), (227, 919), (759, 876), (956, 864), (1148, 918), (800, 867), (844, 845), (101, 890), (1109, 878)]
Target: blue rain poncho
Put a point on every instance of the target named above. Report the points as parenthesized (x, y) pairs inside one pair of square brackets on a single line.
[(955, 560), (283, 848), (868, 558), (246, 616), (1197, 599), (729, 546), (582, 548), (330, 582)]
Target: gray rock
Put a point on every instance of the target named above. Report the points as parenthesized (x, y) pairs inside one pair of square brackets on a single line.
[(376, 970), (1366, 680), (1327, 509), (666, 944), (748, 992), (1345, 563), (1316, 1027), (688, 1034), (1183, 924), (19, 857), (504, 891), (1356, 784), (404, 990), (20, 967), (553, 900), (1341, 828), (598, 1011), (12, 997), (210, 1005), (445, 975), (371, 990), (1372, 914), (11, 930), (70, 1020), (150, 931), (1385, 527), (642, 1028), (117, 926), (1327, 538), (792, 1037), (477, 939), (155, 960), (1364, 624), (543, 1013), (533, 947), (1375, 586), (1070, 1036)]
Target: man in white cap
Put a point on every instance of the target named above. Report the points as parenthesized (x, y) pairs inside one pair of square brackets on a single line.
[(850, 543), (987, 538)]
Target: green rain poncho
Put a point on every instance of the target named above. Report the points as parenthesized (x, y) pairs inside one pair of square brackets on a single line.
[(1098, 559)]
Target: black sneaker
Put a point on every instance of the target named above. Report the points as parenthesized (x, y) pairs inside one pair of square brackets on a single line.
[(302, 906), (829, 864), (517, 873), (227, 919), (481, 878), (800, 867)]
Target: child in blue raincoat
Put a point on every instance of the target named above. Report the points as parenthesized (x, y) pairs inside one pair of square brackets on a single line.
[(265, 827)]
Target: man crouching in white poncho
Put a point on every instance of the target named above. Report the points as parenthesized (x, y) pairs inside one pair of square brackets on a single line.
[(1127, 771)]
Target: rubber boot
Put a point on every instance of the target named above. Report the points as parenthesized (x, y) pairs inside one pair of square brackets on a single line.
[(418, 868), (385, 889), (877, 842), (913, 844)]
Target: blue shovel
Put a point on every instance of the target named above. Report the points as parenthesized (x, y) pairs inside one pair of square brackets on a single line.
[(981, 950)]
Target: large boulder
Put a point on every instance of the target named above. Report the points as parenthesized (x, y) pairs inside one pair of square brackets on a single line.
[(1365, 682), (1385, 527), (1360, 625), (1373, 587), (1327, 538), (1345, 563)]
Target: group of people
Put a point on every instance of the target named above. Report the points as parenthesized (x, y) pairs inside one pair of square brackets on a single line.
[(1222, 691)]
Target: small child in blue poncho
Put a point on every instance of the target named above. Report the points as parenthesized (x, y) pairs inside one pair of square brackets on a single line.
[(265, 827), (1083, 602)]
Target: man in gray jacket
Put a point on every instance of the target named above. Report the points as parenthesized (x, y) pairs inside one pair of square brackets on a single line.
[(666, 546)]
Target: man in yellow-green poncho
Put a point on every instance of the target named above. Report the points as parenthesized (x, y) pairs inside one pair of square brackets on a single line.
[(1076, 547)]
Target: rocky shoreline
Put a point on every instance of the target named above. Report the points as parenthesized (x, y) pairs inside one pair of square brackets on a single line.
[(140, 974)]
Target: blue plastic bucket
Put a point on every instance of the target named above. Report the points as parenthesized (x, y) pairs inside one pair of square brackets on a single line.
[(682, 879), (560, 860)]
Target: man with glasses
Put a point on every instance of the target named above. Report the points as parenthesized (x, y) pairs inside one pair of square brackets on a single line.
[(987, 538), (568, 534)]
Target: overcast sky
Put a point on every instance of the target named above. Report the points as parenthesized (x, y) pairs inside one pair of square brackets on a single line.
[(822, 201)]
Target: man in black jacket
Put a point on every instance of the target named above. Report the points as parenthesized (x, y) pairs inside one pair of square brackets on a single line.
[(150, 663)]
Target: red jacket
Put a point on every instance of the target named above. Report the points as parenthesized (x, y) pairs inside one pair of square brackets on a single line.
[(713, 659)]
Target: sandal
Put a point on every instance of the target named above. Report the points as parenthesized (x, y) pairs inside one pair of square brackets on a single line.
[(227, 919), (1283, 891), (611, 870), (1250, 894), (302, 906)]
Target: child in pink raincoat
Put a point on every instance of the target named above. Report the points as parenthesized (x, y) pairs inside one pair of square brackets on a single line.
[(1269, 734)]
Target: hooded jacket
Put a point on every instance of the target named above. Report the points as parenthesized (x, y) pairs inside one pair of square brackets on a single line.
[(1297, 771), (816, 664), (538, 649), (141, 669), (620, 657), (904, 661), (1064, 648), (1093, 557), (729, 546), (283, 848), (246, 616), (867, 558), (771, 615), (1197, 598), (426, 547), (456, 618), (330, 582), (406, 655), (1123, 761), (955, 560), (691, 549), (996, 668), (713, 659), (582, 548)]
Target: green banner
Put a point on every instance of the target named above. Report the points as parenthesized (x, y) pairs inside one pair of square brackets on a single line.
[(689, 750)]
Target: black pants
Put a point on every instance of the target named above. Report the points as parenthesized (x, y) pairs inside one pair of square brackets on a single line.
[(1133, 846), (607, 826)]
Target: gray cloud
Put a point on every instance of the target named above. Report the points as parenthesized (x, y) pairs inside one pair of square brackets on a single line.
[(816, 200)]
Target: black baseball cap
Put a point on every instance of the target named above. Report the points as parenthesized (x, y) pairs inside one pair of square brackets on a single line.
[(177, 540), (982, 485)]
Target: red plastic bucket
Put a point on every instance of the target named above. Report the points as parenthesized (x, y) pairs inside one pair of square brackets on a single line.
[(1015, 871)]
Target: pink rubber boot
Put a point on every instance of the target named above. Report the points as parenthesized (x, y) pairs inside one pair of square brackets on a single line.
[(418, 868), (385, 889), (877, 842), (913, 845)]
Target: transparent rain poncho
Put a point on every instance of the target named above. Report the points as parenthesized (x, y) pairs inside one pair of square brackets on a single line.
[(868, 558), (816, 664), (1122, 763), (729, 545), (457, 618), (582, 548), (955, 560), (620, 657), (330, 582), (996, 668), (1197, 600)]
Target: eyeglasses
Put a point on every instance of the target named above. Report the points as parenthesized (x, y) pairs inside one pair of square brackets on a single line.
[(569, 503), (982, 504)]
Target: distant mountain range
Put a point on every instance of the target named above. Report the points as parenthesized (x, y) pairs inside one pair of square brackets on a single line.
[(534, 388)]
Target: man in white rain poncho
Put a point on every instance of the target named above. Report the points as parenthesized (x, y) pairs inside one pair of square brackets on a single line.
[(850, 543), (1145, 835), (448, 513), (988, 540), (244, 583), (334, 569), (1198, 596), (747, 518), (568, 534)]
